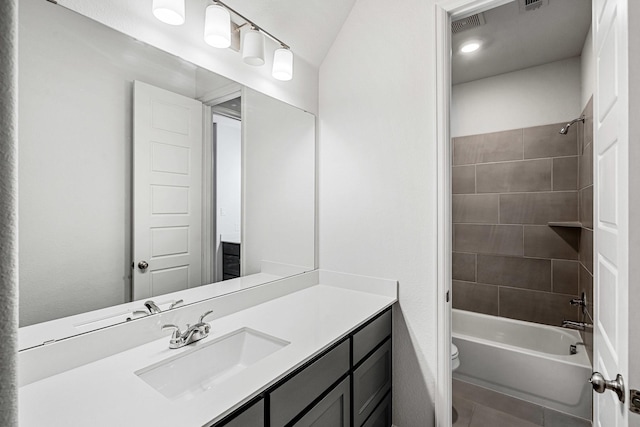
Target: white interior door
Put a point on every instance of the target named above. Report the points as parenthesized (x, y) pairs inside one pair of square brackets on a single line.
[(611, 175), (167, 182)]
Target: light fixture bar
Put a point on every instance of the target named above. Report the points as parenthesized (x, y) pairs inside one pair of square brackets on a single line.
[(253, 24)]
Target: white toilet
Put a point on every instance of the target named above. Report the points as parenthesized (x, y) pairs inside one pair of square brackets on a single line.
[(455, 361)]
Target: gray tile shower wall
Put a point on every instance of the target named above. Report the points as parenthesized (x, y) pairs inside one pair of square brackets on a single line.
[(507, 187)]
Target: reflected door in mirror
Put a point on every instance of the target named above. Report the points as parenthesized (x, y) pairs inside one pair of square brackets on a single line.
[(167, 191)]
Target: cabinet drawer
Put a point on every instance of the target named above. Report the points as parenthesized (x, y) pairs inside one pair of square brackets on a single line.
[(231, 265), (371, 382), (252, 416), (334, 410), (381, 417), (370, 336), (292, 397), (231, 248)]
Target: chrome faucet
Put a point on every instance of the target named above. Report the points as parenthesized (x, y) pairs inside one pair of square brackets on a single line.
[(581, 326), (192, 334), (152, 307)]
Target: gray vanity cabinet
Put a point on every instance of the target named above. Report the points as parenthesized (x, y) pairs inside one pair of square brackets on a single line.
[(372, 334), (347, 386), (292, 397), (371, 382), (249, 416), (334, 410), (381, 417)]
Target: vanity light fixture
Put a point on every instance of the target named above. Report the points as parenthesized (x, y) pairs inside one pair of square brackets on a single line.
[(470, 46), (252, 46), (282, 64), (169, 11), (217, 26)]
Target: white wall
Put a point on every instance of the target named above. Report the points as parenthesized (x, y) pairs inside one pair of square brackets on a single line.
[(377, 175), (228, 176), (535, 96), (588, 70), (75, 158), (278, 183), (185, 41)]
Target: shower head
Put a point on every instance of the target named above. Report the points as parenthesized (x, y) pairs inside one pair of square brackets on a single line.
[(565, 129)]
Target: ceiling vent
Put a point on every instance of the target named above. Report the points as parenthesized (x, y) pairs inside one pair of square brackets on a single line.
[(529, 5), (467, 23)]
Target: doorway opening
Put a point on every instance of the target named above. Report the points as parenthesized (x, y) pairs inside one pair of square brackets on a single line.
[(521, 221)]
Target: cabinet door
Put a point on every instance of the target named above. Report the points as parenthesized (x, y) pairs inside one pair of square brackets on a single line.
[(292, 397), (370, 336), (371, 382), (247, 417), (332, 411), (381, 417)]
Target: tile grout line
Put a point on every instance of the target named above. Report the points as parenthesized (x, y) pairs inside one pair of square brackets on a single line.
[(552, 183), (522, 139), (499, 310), (523, 245), (497, 162), (475, 179), (552, 264)]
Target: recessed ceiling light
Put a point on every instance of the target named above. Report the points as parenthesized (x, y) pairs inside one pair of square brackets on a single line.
[(469, 47)]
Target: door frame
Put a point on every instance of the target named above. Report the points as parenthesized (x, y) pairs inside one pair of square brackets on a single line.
[(210, 268), (446, 10)]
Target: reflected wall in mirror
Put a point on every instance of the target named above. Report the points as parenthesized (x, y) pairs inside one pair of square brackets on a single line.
[(94, 160)]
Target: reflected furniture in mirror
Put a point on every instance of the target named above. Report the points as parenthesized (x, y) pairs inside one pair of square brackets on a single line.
[(116, 208)]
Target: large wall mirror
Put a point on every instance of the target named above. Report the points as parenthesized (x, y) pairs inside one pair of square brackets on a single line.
[(144, 177)]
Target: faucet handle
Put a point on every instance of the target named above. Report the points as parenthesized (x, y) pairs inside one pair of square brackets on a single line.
[(140, 312), (205, 314), (176, 330), (176, 303)]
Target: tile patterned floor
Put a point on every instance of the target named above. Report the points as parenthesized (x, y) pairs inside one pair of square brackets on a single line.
[(479, 407)]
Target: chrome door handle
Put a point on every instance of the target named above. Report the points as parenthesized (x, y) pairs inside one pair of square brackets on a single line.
[(600, 384), (143, 265)]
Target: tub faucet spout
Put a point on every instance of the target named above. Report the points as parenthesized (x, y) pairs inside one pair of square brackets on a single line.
[(581, 326), (573, 348)]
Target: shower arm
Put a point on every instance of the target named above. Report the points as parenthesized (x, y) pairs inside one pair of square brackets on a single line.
[(565, 129)]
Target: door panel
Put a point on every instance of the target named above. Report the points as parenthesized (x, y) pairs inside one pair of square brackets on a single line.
[(167, 191), (611, 219)]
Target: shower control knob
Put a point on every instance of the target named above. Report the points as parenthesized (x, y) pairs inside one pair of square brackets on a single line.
[(143, 265), (600, 384)]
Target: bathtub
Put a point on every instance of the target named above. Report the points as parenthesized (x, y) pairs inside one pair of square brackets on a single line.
[(525, 360)]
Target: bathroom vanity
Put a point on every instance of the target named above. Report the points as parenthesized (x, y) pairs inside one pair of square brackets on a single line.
[(320, 391), (300, 350)]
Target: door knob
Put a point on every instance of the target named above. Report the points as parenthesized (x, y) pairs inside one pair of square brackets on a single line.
[(143, 265), (600, 384)]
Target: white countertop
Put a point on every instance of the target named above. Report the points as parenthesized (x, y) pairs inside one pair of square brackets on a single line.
[(108, 393)]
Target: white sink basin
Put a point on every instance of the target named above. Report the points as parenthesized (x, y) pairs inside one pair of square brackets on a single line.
[(186, 375)]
